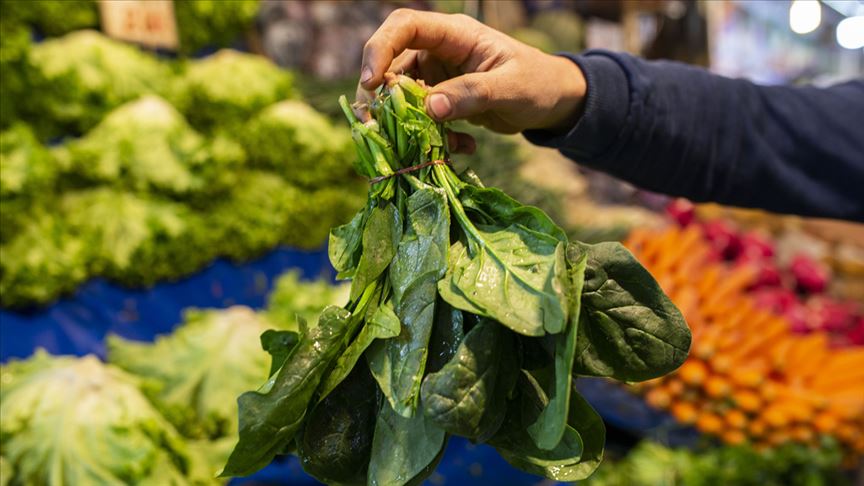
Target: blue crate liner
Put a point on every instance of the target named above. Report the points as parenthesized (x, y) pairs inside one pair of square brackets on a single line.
[(78, 324), (626, 411)]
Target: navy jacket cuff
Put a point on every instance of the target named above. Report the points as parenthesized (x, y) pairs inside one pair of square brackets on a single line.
[(607, 102)]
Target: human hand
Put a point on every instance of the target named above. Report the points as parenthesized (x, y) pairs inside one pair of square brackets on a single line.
[(477, 73)]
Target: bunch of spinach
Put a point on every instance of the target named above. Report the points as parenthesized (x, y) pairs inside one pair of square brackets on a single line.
[(469, 314)]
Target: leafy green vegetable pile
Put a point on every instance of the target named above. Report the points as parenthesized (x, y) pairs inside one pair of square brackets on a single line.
[(160, 413), (204, 23), (149, 193), (83, 75), (651, 464), (469, 314), (226, 88)]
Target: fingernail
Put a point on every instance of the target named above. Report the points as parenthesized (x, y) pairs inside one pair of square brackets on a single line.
[(440, 105), (365, 75)]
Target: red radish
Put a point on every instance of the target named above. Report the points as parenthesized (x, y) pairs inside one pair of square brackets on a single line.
[(682, 211), (810, 275), (756, 245), (856, 334), (723, 238), (778, 300)]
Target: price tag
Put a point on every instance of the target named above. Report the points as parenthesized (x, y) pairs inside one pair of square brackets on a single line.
[(147, 22)]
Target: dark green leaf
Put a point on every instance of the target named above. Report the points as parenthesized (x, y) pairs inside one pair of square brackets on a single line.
[(629, 329), (337, 436), (381, 234), (343, 247), (279, 344), (549, 427), (572, 459), (403, 448), (488, 205), (271, 416), (468, 396), (382, 325), (516, 276), (447, 334), (587, 422), (398, 363)]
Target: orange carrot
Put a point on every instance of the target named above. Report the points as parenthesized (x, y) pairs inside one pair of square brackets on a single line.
[(746, 400), (684, 412), (709, 423), (716, 387), (693, 372), (826, 423), (733, 437), (658, 398), (747, 378), (735, 418)]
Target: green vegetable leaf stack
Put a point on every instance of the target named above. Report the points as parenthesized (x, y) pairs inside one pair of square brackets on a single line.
[(469, 314)]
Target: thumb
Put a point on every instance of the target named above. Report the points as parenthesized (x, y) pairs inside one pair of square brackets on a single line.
[(461, 97)]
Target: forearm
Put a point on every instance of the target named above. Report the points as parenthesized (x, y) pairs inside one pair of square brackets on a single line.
[(682, 131)]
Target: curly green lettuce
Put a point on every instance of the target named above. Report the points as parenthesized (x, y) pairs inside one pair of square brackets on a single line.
[(28, 173), (146, 146), (206, 23), (294, 140), (85, 75), (74, 421), (225, 89), (41, 261), (26, 166), (137, 240)]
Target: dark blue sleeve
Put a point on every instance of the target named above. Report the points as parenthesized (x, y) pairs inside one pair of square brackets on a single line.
[(680, 130)]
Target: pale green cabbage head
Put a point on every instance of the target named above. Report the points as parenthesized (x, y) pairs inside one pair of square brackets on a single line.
[(76, 421)]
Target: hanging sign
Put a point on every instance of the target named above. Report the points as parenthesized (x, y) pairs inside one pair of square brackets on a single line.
[(147, 22)]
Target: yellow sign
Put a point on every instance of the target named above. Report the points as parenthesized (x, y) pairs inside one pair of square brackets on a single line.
[(147, 22)]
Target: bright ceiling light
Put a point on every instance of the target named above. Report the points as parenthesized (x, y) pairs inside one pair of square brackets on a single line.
[(805, 16), (850, 32)]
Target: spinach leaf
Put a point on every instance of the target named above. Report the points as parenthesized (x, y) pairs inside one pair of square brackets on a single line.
[(468, 396), (549, 427), (270, 417), (382, 325), (488, 205), (447, 333), (517, 447), (575, 457), (380, 236), (279, 344), (398, 363), (514, 275), (344, 244), (337, 436), (403, 449), (587, 422), (629, 329)]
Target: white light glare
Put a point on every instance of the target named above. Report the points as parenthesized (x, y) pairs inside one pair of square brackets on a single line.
[(805, 16), (850, 32)]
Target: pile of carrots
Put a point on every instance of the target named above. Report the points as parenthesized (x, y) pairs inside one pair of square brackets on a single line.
[(749, 378)]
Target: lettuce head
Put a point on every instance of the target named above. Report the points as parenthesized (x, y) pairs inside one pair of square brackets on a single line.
[(76, 421), (86, 75)]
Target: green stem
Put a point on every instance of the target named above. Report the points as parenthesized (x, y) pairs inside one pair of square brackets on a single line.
[(443, 180), (346, 109)]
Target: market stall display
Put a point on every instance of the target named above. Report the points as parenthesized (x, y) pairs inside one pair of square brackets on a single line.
[(768, 387), (490, 329)]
